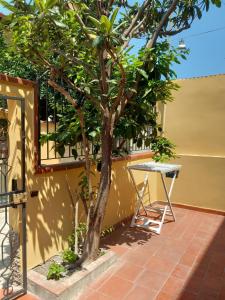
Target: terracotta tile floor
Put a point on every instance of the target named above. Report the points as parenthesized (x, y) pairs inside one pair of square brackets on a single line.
[(186, 261)]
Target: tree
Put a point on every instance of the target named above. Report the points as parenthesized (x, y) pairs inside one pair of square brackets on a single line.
[(85, 46)]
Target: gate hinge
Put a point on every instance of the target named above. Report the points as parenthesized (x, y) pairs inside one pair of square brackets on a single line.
[(18, 198)]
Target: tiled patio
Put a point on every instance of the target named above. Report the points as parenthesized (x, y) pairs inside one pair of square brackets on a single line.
[(187, 261)]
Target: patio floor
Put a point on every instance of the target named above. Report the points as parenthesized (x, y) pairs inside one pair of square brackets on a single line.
[(186, 261)]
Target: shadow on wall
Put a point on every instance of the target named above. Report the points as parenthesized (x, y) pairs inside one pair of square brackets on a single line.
[(50, 215)]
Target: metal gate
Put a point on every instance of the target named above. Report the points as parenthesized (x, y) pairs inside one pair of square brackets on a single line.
[(13, 265)]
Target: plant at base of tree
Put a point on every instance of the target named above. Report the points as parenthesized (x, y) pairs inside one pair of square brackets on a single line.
[(69, 256), (86, 48), (55, 271)]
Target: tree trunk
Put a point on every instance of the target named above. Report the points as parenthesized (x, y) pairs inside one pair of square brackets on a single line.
[(96, 217)]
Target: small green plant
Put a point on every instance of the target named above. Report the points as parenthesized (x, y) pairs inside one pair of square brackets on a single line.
[(81, 231), (69, 256), (55, 271), (107, 231), (71, 241)]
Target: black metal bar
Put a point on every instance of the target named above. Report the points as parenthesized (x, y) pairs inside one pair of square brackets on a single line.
[(23, 146), (47, 116), (55, 124), (15, 295), (4, 97), (38, 125), (11, 294), (24, 247)]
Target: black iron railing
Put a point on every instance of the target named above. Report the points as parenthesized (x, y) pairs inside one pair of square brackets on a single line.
[(51, 106)]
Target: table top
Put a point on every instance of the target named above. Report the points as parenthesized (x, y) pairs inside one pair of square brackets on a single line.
[(156, 167)]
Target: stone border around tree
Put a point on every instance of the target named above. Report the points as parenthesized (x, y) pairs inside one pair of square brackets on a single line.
[(69, 288)]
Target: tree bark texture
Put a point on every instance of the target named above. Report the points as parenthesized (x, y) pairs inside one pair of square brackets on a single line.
[(91, 246)]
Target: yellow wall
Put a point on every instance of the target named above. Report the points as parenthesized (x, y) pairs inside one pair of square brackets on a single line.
[(49, 216), (195, 122)]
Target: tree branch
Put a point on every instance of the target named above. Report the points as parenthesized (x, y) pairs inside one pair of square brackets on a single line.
[(90, 97), (76, 61), (136, 18), (122, 81), (173, 32), (103, 78), (152, 41), (61, 90)]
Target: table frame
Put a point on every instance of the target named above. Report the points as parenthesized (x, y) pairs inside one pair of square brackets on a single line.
[(166, 210)]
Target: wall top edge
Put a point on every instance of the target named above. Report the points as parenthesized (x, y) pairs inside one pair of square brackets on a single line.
[(201, 77), (201, 155), (16, 80)]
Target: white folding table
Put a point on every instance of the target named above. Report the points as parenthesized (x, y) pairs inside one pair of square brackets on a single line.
[(165, 170)]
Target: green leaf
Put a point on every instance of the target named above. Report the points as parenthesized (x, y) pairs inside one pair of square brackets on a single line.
[(50, 3), (113, 17), (143, 73), (40, 5), (87, 90), (207, 5), (147, 142), (199, 12), (147, 92), (94, 21), (60, 149), (60, 24), (105, 24), (8, 6), (120, 25), (217, 2), (98, 41), (93, 134)]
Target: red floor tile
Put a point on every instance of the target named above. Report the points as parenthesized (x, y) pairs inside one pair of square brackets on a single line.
[(141, 293), (161, 265), (181, 271), (116, 288), (173, 286), (185, 262), (129, 271)]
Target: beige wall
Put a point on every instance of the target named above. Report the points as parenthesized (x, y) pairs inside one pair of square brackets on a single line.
[(49, 216), (195, 122)]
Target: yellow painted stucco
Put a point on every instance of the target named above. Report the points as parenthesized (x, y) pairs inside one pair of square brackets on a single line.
[(49, 215), (195, 122)]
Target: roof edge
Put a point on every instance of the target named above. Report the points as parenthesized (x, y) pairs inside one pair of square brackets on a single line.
[(201, 77)]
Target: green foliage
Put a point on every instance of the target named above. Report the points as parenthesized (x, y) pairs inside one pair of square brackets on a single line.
[(81, 234), (71, 241), (70, 40), (163, 149), (15, 64), (107, 231), (81, 231), (69, 256), (55, 271)]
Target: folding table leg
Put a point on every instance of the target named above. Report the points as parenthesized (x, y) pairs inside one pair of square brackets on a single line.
[(140, 195), (168, 194)]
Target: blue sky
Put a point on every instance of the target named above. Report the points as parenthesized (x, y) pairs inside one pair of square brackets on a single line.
[(207, 51)]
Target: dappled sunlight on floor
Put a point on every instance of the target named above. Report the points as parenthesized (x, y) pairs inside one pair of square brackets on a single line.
[(186, 261)]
